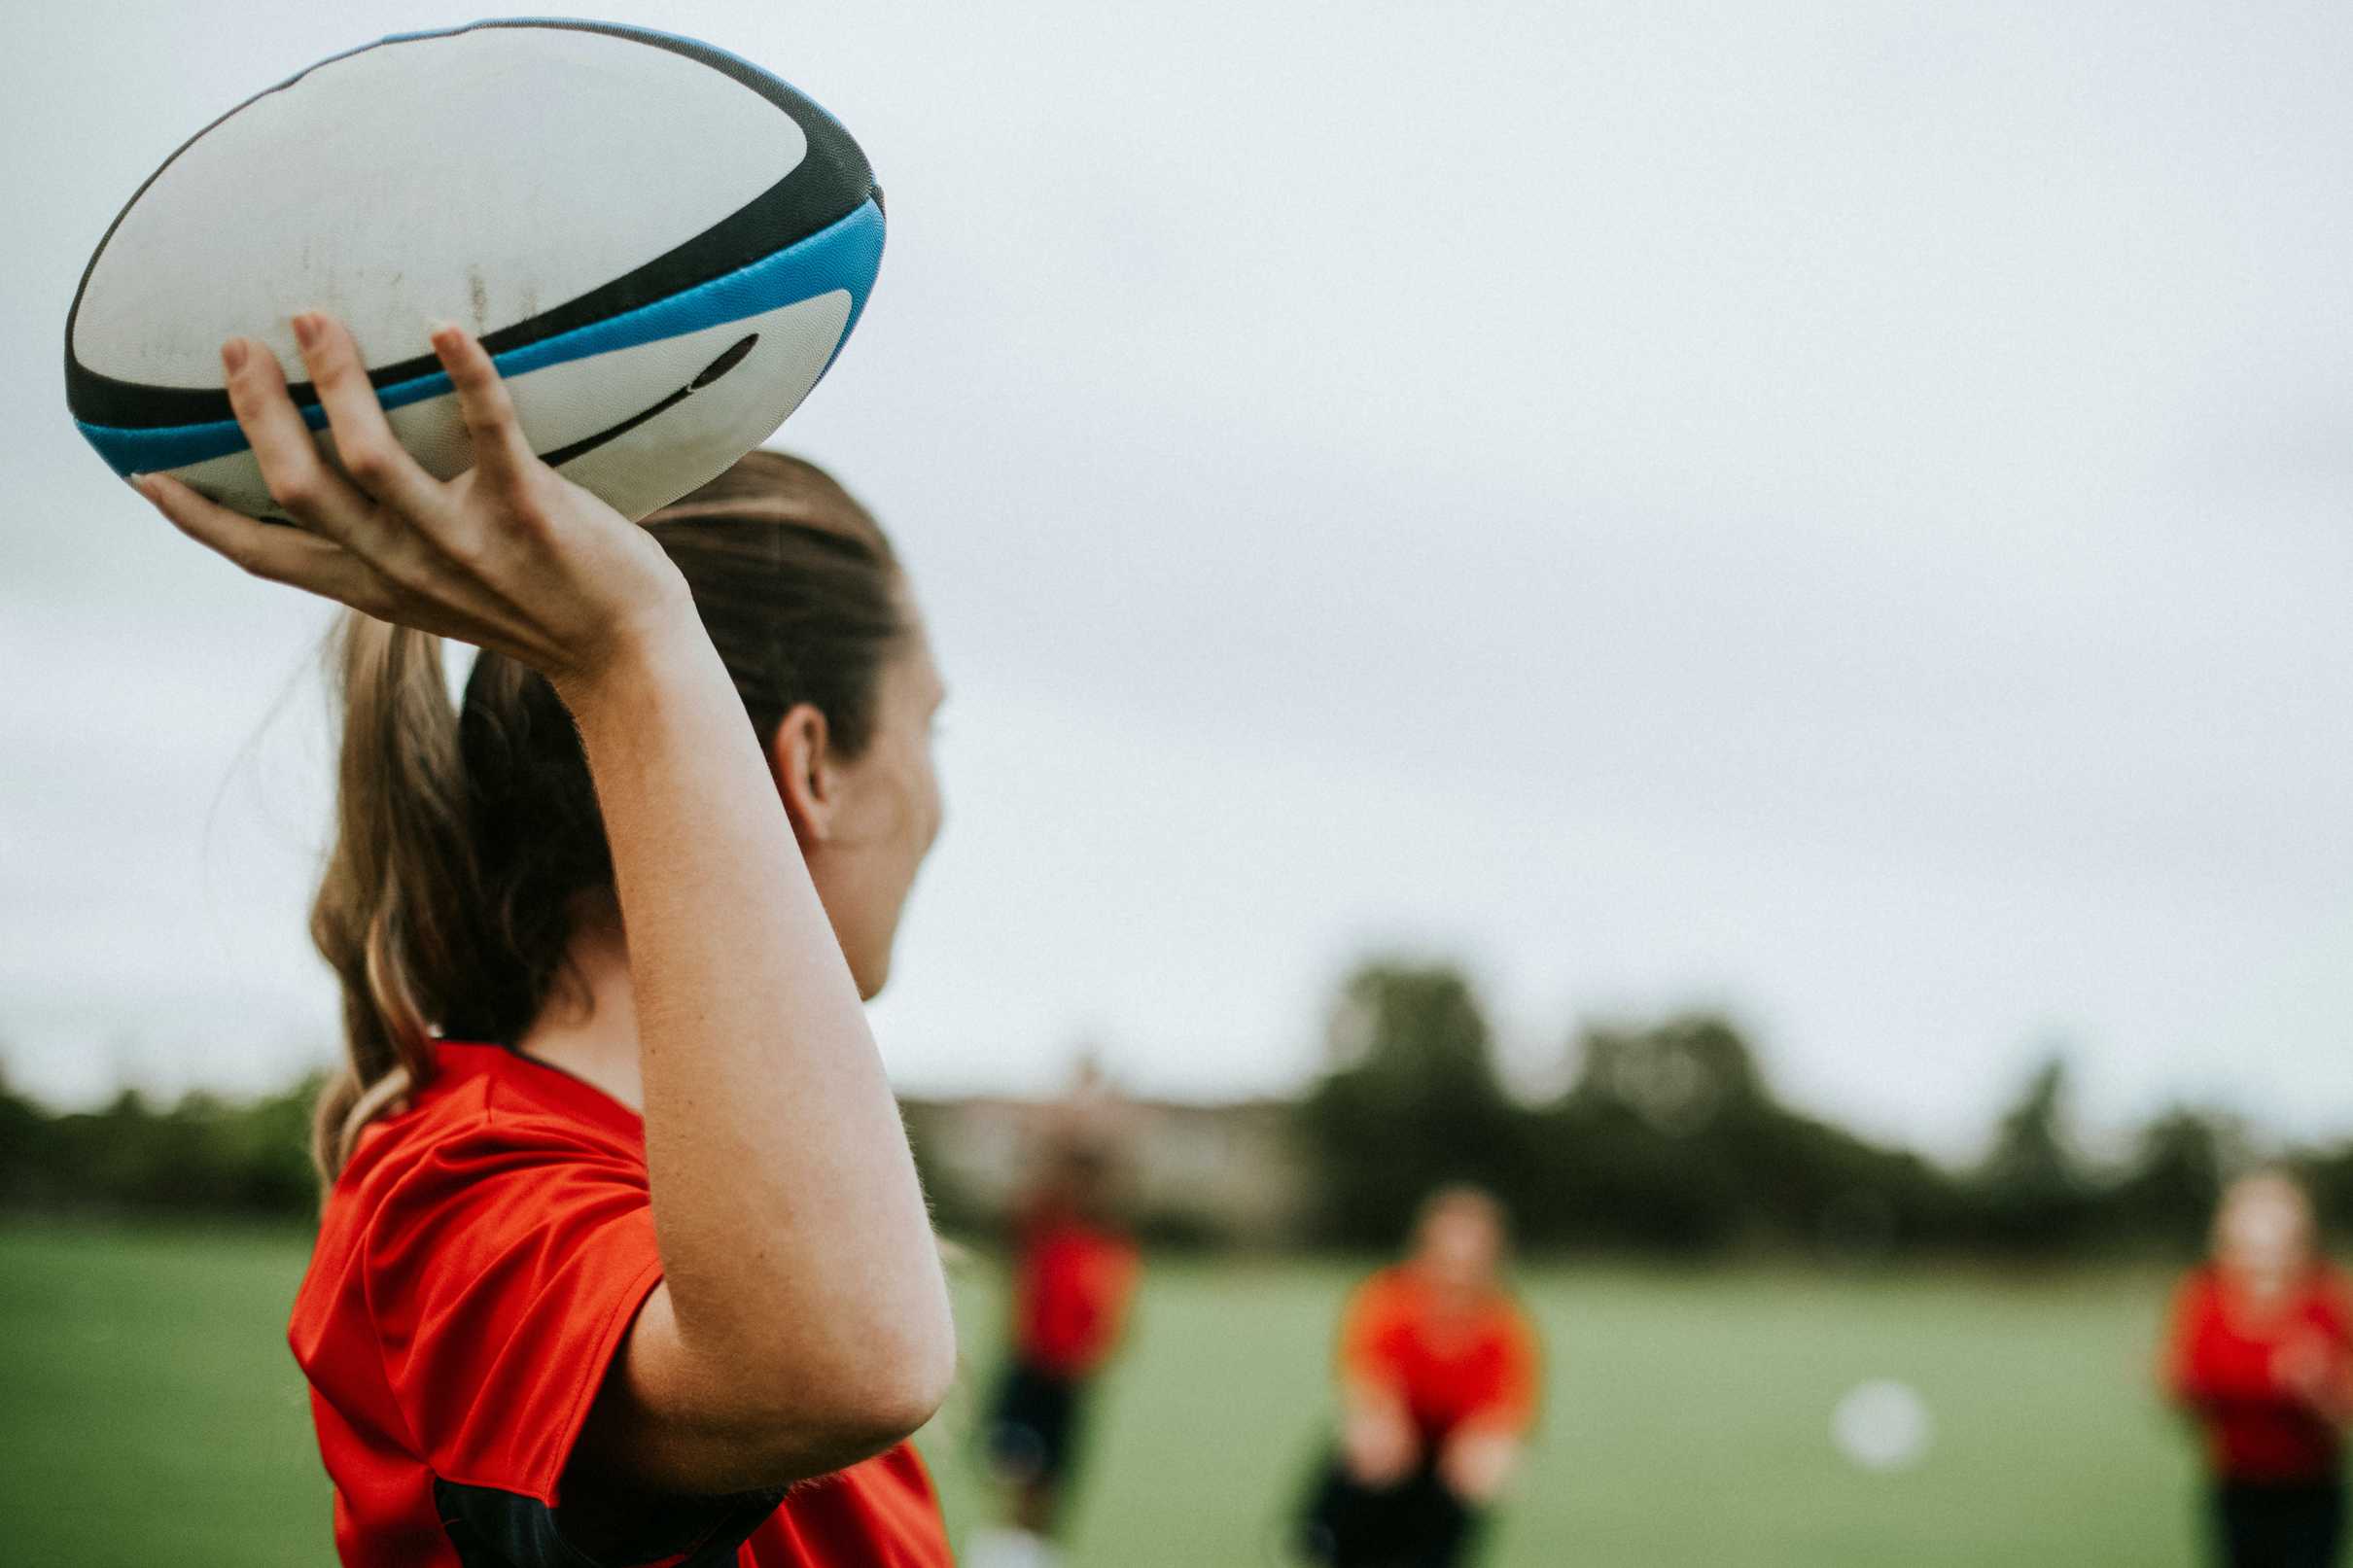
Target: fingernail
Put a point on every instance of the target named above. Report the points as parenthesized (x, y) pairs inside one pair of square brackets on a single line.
[(138, 481), (232, 355), (435, 328), (307, 329)]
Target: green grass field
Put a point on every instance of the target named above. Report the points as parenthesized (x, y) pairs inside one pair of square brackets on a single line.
[(150, 1413)]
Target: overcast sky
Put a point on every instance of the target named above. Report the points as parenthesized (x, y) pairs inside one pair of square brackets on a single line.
[(1838, 511)]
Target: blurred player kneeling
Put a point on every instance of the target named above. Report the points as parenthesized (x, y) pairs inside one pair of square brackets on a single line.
[(1438, 1376)]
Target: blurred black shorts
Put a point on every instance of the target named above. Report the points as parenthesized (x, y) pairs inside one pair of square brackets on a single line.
[(1416, 1523), (2286, 1525), (1033, 1425)]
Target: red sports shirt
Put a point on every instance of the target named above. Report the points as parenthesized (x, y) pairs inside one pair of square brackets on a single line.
[(1071, 1293), (1451, 1366), (2219, 1364), (480, 1263)]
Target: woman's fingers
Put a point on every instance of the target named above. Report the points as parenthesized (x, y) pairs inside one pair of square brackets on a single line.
[(298, 478), (501, 454), (267, 550), (364, 444), (409, 532), (289, 555), (499, 556)]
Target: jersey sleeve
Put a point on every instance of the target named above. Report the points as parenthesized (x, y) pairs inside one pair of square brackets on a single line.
[(1102, 1272), (1519, 1377), (502, 1273), (2333, 1296), (2207, 1369), (1115, 1290), (1368, 1338)]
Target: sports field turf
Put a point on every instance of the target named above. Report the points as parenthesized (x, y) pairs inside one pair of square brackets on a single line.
[(148, 1414)]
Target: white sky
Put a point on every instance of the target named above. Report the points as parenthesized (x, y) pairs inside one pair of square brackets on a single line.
[(1837, 511)]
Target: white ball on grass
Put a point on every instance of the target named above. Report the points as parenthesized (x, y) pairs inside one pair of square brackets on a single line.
[(1882, 1425)]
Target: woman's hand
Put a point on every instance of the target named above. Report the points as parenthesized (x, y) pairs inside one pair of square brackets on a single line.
[(1478, 1463), (2318, 1372), (508, 555), (1377, 1442)]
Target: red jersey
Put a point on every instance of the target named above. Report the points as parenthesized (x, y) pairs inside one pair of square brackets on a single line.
[(480, 1261), (1071, 1294), (1450, 1367), (2219, 1364)]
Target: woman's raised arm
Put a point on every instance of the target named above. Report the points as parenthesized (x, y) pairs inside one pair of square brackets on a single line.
[(803, 1321)]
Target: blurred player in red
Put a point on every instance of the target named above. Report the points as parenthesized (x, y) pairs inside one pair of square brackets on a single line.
[(1439, 1372), (2260, 1356), (1075, 1273)]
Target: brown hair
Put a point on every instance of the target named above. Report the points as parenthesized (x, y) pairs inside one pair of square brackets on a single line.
[(467, 840)]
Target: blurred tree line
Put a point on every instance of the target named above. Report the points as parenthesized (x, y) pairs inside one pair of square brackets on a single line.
[(204, 1155), (1668, 1139)]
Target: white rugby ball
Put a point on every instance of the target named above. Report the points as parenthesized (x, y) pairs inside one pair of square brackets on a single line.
[(662, 246)]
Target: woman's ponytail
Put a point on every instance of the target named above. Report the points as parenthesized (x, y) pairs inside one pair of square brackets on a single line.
[(399, 877)]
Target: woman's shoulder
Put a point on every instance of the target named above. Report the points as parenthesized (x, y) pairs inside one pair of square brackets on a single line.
[(480, 1156), (2197, 1282), (1513, 1312), (488, 1133), (1386, 1291), (2332, 1290), (486, 1102)]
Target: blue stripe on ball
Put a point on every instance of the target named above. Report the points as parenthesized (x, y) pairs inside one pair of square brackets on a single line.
[(845, 255)]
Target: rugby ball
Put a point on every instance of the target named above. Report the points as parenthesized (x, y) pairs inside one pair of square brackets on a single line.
[(662, 246)]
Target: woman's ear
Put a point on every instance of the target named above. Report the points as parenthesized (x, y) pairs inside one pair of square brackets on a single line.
[(802, 763)]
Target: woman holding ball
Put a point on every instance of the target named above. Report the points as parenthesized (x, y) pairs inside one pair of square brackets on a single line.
[(623, 1237)]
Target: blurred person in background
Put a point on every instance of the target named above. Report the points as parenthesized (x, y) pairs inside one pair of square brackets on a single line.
[(1074, 1274), (1439, 1371), (2260, 1356)]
